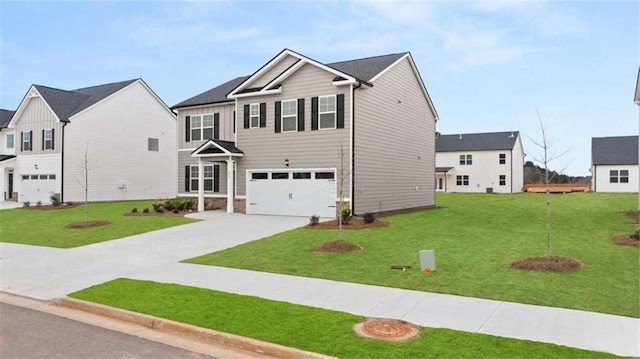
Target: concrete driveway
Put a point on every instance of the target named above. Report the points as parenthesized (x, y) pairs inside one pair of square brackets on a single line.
[(48, 273)]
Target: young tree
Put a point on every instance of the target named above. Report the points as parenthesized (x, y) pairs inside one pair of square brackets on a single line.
[(343, 174), (86, 165)]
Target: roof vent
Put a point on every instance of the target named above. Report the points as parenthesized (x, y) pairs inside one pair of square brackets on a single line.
[(460, 136), (511, 135)]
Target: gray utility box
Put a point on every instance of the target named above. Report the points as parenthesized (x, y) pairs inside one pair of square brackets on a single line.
[(427, 259)]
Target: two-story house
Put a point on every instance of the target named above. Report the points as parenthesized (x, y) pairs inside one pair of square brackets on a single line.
[(120, 135), (297, 135), (480, 162), (7, 155), (614, 164)]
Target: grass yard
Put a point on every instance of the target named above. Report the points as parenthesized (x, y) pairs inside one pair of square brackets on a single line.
[(307, 328), (47, 227), (475, 236)]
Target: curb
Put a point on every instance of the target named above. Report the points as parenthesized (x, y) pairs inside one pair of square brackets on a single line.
[(230, 340)]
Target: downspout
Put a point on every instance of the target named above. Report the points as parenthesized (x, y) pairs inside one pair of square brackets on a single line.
[(511, 176), (353, 141), (64, 124)]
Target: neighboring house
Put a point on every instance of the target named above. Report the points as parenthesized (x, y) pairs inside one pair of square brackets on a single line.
[(123, 130), (286, 139), (480, 162), (614, 164), (7, 155)]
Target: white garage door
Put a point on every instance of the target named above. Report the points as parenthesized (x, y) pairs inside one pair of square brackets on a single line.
[(292, 192), (34, 188)]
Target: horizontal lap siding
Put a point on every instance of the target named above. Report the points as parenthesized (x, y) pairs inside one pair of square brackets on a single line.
[(484, 172), (601, 176), (394, 144), (518, 166), (226, 123), (36, 117), (265, 149), (185, 159), (273, 72)]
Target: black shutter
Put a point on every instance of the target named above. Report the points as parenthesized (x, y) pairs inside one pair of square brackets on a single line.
[(216, 126), (30, 140), (188, 128), (300, 114), (263, 114), (187, 178), (340, 112), (216, 178), (314, 113), (234, 122), (278, 117), (21, 141), (43, 139), (53, 138), (246, 116)]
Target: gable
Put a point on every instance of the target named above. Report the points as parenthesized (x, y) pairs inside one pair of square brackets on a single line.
[(637, 97), (34, 109), (274, 71)]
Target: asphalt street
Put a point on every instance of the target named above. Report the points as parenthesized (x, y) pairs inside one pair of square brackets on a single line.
[(26, 334)]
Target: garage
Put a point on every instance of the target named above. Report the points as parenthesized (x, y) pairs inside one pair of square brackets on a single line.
[(292, 192), (34, 188)]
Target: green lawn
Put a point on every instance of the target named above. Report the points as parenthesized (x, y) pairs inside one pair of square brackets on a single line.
[(47, 227), (475, 236), (307, 328)]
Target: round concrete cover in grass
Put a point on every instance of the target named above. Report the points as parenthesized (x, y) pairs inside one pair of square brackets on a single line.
[(389, 330)]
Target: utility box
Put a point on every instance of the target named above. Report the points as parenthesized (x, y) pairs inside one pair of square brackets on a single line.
[(427, 259)]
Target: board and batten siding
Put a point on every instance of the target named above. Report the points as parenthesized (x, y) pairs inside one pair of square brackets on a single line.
[(36, 117), (394, 144), (265, 149), (115, 134), (185, 159), (274, 72), (226, 123)]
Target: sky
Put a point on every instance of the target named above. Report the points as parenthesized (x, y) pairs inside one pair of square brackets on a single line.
[(488, 66)]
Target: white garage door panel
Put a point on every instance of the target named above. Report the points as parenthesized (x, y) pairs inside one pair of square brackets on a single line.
[(292, 197), (37, 188)]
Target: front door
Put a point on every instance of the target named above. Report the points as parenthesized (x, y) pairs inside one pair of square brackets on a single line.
[(10, 194)]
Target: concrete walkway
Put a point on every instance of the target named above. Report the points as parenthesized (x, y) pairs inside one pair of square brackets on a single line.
[(46, 273)]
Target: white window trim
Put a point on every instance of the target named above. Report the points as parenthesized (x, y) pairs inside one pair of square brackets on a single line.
[(618, 176), (212, 178), (500, 158), (48, 132), (251, 116), (25, 141), (499, 180), (13, 140), (462, 178), (295, 115), (202, 126), (335, 113), (468, 160)]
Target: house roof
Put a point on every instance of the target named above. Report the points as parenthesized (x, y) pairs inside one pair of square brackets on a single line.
[(68, 103), (6, 157), (477, 141), (621, 150), (443, 169), (636, 98), (5, 117), (217, 147), (215, 95)]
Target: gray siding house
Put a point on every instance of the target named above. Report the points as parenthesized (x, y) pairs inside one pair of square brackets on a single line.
[(298, 135)]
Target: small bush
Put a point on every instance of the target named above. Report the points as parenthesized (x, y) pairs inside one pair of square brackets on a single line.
[(369, 218), (39, 204), (314, 220), (146, 210), (175, 211), (346, 214), (26, 204), (55, 200), (134, 210), (636, 236), (157, 205), (69, 203), (160, 210)]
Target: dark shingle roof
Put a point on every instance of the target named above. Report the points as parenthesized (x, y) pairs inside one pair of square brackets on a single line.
[(621, 150), (476, 141), (215, 95), (367, 68), (68, 103), (5, 117), (6, 157)]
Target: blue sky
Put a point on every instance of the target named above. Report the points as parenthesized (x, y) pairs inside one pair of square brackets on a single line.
[(487, 65)]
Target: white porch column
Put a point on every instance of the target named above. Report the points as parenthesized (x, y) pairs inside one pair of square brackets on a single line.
[(230, 189), (200, 185)]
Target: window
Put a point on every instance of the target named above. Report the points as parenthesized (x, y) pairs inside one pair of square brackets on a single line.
[(201, 127), (48, 139), (34, 177), (259, 175), (466, 159), (325, 175), (52, 176), (26, 141), (208, 178), (254, 115), (290, 116), (462, 180), (327, 112), (280, 175), (503, 158), (10, 140), (503, 180), (621, 176), (301, 175), (25, 177), (153, 144)]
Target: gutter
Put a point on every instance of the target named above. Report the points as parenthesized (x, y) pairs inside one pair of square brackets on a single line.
[(64, 124), (353, 141), (511, 176)]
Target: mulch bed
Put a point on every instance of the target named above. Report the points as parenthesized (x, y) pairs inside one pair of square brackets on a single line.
[(88, 224), (552, 264), (354, 223), (625, 240), (634, 217), (337, 246), (50, 207), (388, 330), (156, 214)]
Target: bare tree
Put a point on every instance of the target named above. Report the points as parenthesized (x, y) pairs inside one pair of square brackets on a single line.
[(86, 165), (548, 154), (343, 175)]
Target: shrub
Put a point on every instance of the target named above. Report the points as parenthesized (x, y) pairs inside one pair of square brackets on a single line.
[(26, 204), (157, 205), (636, 236), (69, 203), (314, 220), (175, 211), (146, 210), (55, 200), (134, 210), (160, 210), (346, 214), (39, 204), (369, 218)]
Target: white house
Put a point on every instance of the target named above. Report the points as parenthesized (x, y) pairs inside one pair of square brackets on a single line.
[(7, 154), (123, 130), (480, 162), (614, 164)]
